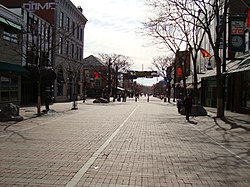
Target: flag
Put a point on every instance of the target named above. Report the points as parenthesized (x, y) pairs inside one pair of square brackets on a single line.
[(179, 72), (248, 19), (204, 53), (96, 74)]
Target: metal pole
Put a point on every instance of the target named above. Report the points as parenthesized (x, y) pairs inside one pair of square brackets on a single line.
[(74, 94), (224, 55), (109, 79)]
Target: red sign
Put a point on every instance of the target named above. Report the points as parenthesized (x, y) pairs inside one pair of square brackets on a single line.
[(237, 27)]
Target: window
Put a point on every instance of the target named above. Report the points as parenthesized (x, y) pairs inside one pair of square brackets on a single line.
[(11, 37), (80, 56), (60, 51), (67, 48), (33, 26), (61, 19), (72, 50), (81, 34), (77, 53), (73, 28), (9, 88), (60, 90), (78, 32), (97, 83), (68, 24)]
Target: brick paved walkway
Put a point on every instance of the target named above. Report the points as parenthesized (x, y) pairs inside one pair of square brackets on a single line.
[(123, 144)]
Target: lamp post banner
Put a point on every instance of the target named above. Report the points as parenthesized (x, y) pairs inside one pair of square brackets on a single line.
[(236, 33)]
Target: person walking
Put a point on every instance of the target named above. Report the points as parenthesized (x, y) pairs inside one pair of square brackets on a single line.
[(188, 106)]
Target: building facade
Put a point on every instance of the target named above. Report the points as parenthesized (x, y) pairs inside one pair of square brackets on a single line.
[(236, 86), (11, 71), (95, 76), (68, 23)]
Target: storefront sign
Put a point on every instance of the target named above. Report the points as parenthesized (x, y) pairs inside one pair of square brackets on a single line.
[(33, 6)]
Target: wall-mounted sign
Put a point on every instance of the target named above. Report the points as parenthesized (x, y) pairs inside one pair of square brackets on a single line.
[(33, 6), (236, 33)]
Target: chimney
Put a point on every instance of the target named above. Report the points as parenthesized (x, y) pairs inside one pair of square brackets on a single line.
[(79, 8)]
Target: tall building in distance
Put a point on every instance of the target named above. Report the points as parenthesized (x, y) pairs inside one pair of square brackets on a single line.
[(68, 24)]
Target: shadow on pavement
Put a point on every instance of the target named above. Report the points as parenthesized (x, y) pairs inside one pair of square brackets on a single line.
[(234, 124)]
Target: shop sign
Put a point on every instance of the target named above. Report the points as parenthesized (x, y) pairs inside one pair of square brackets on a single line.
[(33, 6)]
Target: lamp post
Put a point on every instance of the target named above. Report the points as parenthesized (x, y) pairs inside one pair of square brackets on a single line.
[(116, 82), (74, 107), (109, 80), (168, 79)]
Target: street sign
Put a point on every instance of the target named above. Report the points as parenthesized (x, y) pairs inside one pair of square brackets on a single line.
[(145, 74)]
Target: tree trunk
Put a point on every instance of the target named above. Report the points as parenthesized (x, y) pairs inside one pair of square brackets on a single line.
[(39, 97), (219, 84)]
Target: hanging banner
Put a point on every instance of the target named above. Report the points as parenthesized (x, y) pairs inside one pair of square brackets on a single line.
[(248, 19), (236, 33)]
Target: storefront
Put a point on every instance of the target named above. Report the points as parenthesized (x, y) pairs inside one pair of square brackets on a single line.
[(238, 86), (10, 82)]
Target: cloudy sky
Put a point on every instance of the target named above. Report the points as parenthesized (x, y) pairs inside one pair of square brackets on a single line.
[(114, 27)]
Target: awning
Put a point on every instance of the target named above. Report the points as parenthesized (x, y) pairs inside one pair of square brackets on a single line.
[(10, 23), (191, 86), (235, 66), (209, 73), (190, 78), (12, 68), (119, 88)]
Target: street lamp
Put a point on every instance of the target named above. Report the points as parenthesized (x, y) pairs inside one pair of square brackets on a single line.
[(74, 107), (109, 80), (168, 79)]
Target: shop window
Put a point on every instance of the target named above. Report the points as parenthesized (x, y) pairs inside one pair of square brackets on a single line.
[(98, 83), (9, 88), (60, 90), (246, 90)]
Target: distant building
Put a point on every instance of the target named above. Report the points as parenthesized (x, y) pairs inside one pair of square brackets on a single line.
[(95, 76)]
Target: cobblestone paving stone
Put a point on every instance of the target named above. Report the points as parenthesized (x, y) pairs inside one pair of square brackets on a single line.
[(155, 146)]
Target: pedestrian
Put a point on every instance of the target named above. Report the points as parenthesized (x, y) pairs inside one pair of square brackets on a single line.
[(188, 106), (136, 96)]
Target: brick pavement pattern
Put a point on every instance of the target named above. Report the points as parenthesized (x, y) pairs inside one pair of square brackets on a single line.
[(121, 145)]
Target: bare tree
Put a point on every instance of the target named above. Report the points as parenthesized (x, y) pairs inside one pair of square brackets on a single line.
[(116, 64), (206, 13), (164, 65), (186, 14), (163, 29), (121, 61), (161, 63)]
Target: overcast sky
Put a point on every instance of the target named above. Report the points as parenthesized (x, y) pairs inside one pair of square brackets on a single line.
[(114, 27)]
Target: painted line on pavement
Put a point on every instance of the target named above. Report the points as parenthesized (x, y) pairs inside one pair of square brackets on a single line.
[(228, 150), (92, 159)]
